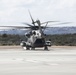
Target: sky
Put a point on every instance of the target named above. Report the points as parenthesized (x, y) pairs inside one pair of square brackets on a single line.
[(16, 11)]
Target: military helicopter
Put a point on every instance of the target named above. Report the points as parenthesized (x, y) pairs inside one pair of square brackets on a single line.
[(36, 37)]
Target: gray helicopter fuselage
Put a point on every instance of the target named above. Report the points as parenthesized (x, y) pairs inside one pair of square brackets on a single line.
[(35, 39)]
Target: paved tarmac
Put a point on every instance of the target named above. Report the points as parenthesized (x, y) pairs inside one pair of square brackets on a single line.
[(56, 61)]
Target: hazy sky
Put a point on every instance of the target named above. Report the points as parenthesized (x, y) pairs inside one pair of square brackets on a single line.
[(17, 10)]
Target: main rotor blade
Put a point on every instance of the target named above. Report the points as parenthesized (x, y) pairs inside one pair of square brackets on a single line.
[(31, 18), (64, 23), (27, 24), (45, 26), (13, 27), (49, 22)]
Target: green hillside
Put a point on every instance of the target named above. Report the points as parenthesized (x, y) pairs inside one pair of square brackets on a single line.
[(61, 40)]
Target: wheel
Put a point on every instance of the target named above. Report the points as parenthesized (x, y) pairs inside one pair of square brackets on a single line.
[(46, 48), (32, 48), (27, 48)]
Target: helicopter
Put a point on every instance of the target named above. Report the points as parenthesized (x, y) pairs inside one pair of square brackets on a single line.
[(36, 37)]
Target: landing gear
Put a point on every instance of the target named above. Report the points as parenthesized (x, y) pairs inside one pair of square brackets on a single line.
[(32, 48), (46, 48), (27, 48)]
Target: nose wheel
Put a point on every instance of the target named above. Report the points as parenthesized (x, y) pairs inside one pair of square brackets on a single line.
[(27, 48)]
